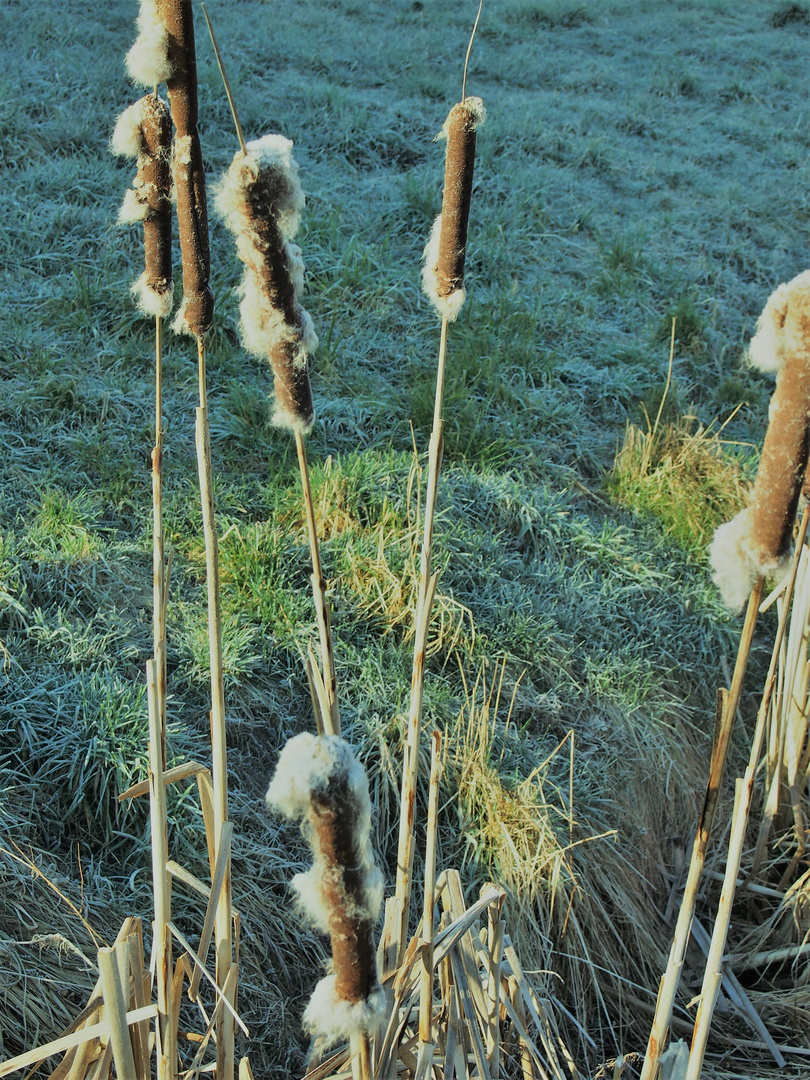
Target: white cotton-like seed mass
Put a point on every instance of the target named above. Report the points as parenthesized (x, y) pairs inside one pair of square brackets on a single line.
[(736, 564), (125, 140), (331, 1020), (474, 105), (307, 764), (133, 208), (148, 59), (446, 306), (770, 344), (180, 323), (150, 301), (270, 153)]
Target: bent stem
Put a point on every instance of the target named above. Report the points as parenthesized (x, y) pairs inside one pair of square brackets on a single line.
[(672, 975), (332, 721), (219, 751), (425, 591)]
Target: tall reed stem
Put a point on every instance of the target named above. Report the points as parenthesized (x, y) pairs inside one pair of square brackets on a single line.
[(672, 975), (166, 1043), (219, 751), (713, 974), (332, 721), (425, 592)]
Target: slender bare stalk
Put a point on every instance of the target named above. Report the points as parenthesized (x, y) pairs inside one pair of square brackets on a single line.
[(165, 1038), (219, 751), (425, 591), (115, 1013), (426, 997), (322, 610), (672, 975), (713, 974)]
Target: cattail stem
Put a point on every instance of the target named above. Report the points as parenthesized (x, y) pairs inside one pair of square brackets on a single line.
[(712, 978), (671, 977), (426, 999), (331, 722), (165, 1035), (425, 591), (219, 752)]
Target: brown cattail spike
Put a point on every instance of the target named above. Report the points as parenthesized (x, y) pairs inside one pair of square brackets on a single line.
[(261, 200), (197, 311), (319, 781), (332, 815), (445, 254), (757, 542), (144, 131), (156, 128)]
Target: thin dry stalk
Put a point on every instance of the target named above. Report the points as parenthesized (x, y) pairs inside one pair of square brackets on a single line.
[(165, 1039), (426, 1002), (331, 720), (744, 789), (425, 592), (115, 1015), (672, 975), (219, 750)]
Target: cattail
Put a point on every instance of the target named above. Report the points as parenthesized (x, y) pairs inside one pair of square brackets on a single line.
[(144, 131), (197, 309), (443, 274), (320, 782), (757, 541), (260, 199)]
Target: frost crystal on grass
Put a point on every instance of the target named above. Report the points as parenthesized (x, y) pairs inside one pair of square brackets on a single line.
[(320, 782), (757, 541), (148, 59), (260, 200)]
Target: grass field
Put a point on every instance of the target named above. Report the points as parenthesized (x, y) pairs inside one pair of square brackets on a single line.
[(640, 161)]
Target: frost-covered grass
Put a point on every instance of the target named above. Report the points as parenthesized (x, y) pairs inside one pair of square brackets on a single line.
[(639, 161)]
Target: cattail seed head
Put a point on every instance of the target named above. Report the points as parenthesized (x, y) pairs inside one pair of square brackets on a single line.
[(144, 131), (319, 781), (757, 541), (196, 311), (260, 200), (443, 274)]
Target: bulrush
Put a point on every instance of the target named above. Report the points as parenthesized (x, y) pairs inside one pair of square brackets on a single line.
[(757, 541), (197, 309), (144, 131), (319, 782), (443, 273), (260, 199)]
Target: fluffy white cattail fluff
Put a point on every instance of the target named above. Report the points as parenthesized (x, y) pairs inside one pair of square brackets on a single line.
[(444, 255), (320, 782), (143, 131), (757, 541), (260, 200), (148, 59)]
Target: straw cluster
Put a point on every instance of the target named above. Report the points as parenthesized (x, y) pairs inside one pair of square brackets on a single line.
[(443, 273), (260, 199), (319, 782), (757, 541), (144, 132)]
